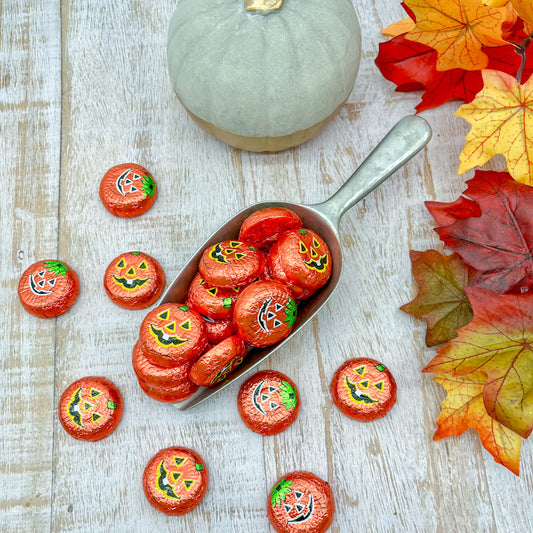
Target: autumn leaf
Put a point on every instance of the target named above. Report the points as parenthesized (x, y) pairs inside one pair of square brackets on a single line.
[(463, 409), (457, 30), (413, 66), (524, 8), (441, 300), (499, 243), (498, 342), (398, 28), (501, 117), (448, 213)]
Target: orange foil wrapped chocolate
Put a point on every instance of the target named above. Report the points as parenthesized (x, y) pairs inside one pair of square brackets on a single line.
[(363, 389), (134, 280), (155, 375), (90, 408), (268, 402), (172, 334), (218, 330), (48, 288), (210, 301), (304, 258), (174, 393), (175, 480), (264, 313), (128, 190), (218, 362), (231, 264), (263, 228), (301, 502)]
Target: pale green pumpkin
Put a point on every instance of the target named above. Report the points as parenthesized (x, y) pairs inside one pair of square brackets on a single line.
[(271, 71)]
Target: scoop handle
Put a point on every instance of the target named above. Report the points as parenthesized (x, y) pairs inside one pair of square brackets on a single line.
[(402, 142)]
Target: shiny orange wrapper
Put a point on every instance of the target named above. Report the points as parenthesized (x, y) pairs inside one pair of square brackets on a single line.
[(264, 313), (268, 402), (48, 288), (213, 302), (134, 280), (155, 375), (301, 502), (128, 190), (169, 393), (218, 330), (363, 389), (263, 228), (304, 257), (175, 480), (172, 334), (219, 362), (91, 408), (231, 264), (276, 272)]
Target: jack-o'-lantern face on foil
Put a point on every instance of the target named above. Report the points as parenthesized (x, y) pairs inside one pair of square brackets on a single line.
[(363, 389), (304, 257), (231, 264), (90, 408), (172, 334), (134, 280), (268, 402), (48, 288), (264, 313), (175, 480), (301, 502), (128, 190)]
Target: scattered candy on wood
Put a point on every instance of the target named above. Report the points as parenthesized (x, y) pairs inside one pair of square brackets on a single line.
[(175, 480), (172, 334), (218, 330), (90, 408), (219, 362), (304, 257), (264, 313), (268, 402), (301, 502), (231, 264), (264, 227), (134, 280), (210, 301), (169, 393), (363, 389), (48, 288), (128, 190)]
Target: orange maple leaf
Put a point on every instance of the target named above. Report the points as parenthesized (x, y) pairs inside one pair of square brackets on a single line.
[(524, 8), (463, 409), (441, 300), (499, 343), (501, 117), (457, 30), (398, 28)]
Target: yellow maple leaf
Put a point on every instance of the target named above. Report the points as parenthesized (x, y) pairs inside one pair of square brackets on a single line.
[(457, 30), (398, 28), (501, 116), (463, 409)]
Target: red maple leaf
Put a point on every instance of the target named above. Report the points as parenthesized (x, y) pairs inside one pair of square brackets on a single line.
[(499, 242), (412, 66)]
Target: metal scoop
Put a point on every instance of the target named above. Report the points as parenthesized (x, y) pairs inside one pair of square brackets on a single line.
[(404, 141)]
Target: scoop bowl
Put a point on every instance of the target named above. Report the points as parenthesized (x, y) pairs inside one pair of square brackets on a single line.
[(403, 141)]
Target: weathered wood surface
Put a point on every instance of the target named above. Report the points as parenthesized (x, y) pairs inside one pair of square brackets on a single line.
[(83, 86)]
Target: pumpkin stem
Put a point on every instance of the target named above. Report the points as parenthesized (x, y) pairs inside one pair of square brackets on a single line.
[(262, 5)]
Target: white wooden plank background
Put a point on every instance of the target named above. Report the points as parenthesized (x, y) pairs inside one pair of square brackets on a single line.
[(83, 86)]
